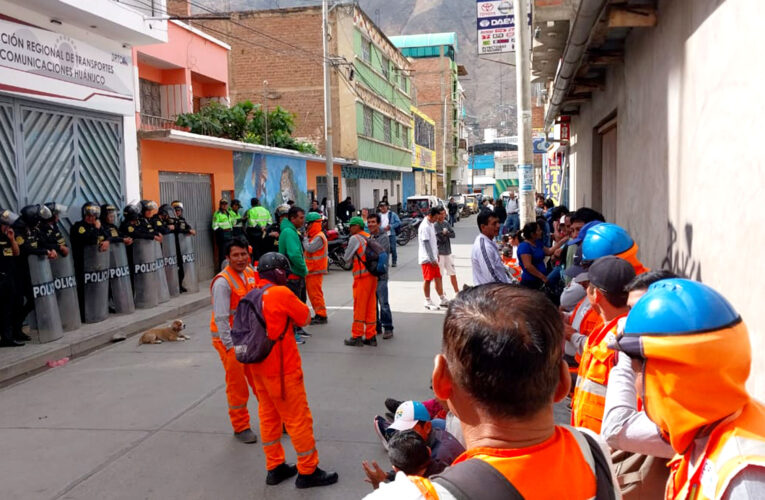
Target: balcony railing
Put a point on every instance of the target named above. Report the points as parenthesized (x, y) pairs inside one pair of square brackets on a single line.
[(151, 122)]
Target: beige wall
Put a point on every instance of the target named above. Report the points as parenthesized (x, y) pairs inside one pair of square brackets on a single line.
[(689, 178)]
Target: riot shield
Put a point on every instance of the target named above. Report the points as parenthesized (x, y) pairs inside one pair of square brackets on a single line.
[(188, 260), (171, 264), (65, 283), (145, 276), (164, 294), (95, 281), (47, 318), (119, 279)]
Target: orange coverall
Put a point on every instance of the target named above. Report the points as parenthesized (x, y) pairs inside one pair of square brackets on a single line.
[(279, 383), (364, 293), (238, 375), (317, 263)]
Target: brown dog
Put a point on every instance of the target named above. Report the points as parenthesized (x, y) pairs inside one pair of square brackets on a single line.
[(169, 334)]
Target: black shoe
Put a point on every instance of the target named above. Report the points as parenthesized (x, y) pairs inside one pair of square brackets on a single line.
[(390, 417), (393, 265), (381, 429), (319, 320), (392, 404), (246, 436), (317, 478), (388, 334), (10, 343), (280, 473), (372, 341), (183, 290), (354, 341), (22, 337)]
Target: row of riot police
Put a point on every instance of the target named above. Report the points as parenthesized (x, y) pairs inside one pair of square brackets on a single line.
[(146, 260)]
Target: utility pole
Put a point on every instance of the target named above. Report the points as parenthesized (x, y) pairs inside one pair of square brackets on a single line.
[(523, 96), (443, 154), (328, 153)]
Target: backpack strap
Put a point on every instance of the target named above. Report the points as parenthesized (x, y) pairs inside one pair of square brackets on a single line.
[(600, 465), (474, 479)]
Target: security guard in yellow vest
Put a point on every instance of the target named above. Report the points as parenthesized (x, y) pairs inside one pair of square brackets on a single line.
[(223, 229), (256, 220)]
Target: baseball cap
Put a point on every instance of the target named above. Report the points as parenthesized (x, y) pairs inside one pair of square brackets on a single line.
[(582, 277), (357, 221), (312, 217), (582, 233), (575, 269), (408, 414), (611, 274)]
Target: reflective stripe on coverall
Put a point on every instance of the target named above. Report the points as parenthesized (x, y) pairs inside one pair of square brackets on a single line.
[(238, 375)]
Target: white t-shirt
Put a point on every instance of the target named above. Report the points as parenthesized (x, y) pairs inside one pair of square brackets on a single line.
[(428, 246), (385, 220)]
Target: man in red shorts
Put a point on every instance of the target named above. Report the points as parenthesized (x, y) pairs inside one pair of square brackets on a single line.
[(428, 259)]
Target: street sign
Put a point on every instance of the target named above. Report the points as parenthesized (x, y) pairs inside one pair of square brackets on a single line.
[(496, 31)]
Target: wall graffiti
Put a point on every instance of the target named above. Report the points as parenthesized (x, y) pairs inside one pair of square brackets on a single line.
[(679, 258), (273, 179)]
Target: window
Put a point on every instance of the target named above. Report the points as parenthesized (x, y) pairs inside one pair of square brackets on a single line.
[(386, 129), (402, 82), (366, 50), (369, 116), (480, 171), (507, 168), (385, 66), (398, 130), (150, 100), (406, 137)]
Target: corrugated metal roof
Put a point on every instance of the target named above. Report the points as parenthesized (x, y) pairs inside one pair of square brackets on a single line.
[(425, 40)]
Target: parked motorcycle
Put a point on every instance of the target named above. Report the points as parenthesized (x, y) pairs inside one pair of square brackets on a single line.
[(336, 245), (408, 230)]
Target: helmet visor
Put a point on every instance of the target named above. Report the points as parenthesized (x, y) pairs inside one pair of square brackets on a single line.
[(8, 218), (94, 210), (45, 213)]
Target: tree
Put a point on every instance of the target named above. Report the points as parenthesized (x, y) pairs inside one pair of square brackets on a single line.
[(245, 122)]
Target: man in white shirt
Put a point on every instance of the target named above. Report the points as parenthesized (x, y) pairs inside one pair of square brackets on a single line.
[(513, 221), (487, 263), (428, 259)]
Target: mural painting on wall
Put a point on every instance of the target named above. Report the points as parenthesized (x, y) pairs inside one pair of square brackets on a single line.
[(274, 180)]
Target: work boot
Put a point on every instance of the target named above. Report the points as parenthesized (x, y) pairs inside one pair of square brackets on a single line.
[(183, 290), (392, 404), (10, 343), (393, 265), (317, 478), (371, 341), (354, 341), (280, 473), (246, 436), (388, 334), (21, 337), (319, 320)]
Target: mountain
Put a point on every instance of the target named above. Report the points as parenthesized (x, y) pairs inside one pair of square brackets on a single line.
[(489, 86)]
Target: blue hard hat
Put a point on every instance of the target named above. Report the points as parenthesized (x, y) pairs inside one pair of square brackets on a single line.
[(605, 239), (679, 306)]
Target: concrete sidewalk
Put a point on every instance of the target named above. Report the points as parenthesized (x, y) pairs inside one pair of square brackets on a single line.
[(19, 361)]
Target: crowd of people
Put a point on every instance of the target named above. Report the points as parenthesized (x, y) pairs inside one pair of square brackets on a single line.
[(37, 231)]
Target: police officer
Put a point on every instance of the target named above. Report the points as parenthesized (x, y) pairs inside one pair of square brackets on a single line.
[(257, 218), (223, 229), (237, 223), (145, 228), (51, 234), (181, 227), (28, 237), (9, 298), (87, 231), (163, 221), (108, 223)]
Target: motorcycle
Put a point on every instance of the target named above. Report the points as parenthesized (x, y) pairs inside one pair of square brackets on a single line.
[(336, 245), (408, 230)]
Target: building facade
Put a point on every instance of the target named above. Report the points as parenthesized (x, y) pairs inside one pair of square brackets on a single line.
[(67, 101), (439, 95), (659, 116), (424, 157), (370, 87)]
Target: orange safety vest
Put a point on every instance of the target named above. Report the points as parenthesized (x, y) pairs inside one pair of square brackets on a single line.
[(735, 443), (318, 261), (529, 469), (589, 402), (238, 290), (359, 261)]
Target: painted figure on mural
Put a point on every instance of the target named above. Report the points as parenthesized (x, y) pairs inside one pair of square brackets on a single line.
[(287, 185)]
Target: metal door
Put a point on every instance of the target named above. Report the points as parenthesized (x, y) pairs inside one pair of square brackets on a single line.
[(8, 175), (354, 191), (195, 192)]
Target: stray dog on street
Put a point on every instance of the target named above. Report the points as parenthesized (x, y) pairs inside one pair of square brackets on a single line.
[(171, 333)]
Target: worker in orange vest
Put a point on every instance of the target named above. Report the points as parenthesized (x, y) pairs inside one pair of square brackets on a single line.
[(607, 278), (317, 261), (364, 329), (279, 382), (694, 354), (227, 288), (504, 400)]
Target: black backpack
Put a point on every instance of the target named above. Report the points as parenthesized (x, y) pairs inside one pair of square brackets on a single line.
[(251, 342), (376, 257)]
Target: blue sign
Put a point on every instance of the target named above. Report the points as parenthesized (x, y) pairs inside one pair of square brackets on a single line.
[(481, 162), (540, 145)]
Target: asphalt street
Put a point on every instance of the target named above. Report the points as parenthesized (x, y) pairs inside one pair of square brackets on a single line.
[(150, 421)]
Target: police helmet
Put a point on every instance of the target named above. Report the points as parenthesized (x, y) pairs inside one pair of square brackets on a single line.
[(147, 205), (7, 218), (282, 210), (90, 208), (167, 210), (57, 208), (44, 212), (274, 267), (30, 214), (177, 205), (107, 209), (132, 211)]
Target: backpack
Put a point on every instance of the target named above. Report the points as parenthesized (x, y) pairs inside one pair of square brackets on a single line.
[(475, 479), (376, 258), (251, 342)]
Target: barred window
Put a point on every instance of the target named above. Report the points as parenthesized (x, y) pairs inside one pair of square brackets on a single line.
[(406, 137), (366, 50), (385, 66), (369, 116)]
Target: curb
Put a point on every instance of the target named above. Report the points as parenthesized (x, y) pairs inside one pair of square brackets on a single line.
[(58, 349)]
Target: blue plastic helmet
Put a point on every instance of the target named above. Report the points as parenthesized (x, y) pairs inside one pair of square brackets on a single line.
[(679, 306), (605, 239)]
